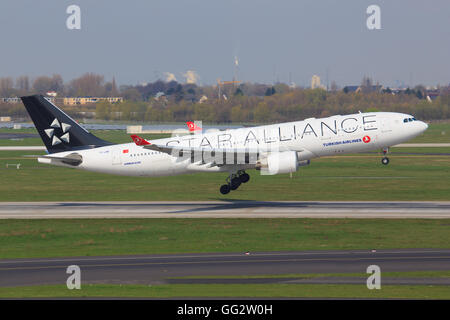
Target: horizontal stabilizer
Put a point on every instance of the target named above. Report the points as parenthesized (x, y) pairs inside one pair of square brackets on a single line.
[(73, 159)]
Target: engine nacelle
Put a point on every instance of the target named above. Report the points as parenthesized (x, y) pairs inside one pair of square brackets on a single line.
[(282, 162)]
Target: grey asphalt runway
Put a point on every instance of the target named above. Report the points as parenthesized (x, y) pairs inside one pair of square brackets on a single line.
[(13, 135), (158, 269), (225, 209)]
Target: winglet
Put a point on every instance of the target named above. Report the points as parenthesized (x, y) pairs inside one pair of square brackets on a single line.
[(192, 126), (139, 141)]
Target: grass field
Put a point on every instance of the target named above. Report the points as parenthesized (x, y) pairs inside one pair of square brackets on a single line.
[(347, 177), (351, 177), (97, 237), (115, 136), (231, 290)]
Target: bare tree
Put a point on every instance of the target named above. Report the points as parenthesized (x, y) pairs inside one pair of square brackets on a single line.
[(89, 84), (23, 84), (45, 84), (6, 87), (366, 85)]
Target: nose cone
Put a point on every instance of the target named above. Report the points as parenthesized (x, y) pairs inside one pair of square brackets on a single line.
[(425, 126), (422, 126)]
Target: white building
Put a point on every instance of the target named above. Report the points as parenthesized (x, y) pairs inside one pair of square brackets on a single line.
[(315, 83)]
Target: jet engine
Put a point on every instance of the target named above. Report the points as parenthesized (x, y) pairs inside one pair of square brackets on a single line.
[(279, 162)]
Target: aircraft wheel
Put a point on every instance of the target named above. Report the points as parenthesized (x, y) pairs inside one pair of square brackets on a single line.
[(235, 183), (385, 161), (245, 177), (225, 189)]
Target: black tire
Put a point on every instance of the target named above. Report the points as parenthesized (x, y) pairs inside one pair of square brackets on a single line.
[(244, 177), (225, 189), (235, 183), (385, 161)]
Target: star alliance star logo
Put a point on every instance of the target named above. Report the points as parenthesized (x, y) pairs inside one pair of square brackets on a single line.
[(64, 128)]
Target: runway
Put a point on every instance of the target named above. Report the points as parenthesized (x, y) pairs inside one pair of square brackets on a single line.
[(17, 136), (226, 209), (161, 269)]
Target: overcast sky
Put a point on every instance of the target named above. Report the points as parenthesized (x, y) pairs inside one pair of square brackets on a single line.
[(138, 40)]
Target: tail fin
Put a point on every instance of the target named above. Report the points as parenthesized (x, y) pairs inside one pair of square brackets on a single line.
[(192, 126), (139, 141), (58, 131)]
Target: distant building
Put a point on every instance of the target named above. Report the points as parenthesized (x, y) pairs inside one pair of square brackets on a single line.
[(52, 93), (350, 89), (160, 96), (69, 101), (10, 100), (51, 99), (367, 89), (203, 99), (315, 83), (432, 94)]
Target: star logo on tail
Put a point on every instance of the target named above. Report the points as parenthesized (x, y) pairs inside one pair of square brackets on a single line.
[(60, 126)]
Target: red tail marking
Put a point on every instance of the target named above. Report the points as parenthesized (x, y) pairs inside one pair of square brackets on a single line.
[(192, 126), (139, 141)]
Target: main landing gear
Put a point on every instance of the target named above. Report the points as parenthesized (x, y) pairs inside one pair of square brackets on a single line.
[(385, 159), (234, 181)]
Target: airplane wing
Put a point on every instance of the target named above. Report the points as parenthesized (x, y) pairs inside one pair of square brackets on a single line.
[(213, 156)]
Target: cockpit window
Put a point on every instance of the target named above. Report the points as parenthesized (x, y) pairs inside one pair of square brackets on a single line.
[(409, 120)]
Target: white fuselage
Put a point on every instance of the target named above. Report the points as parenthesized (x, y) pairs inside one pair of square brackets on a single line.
[(310, 138)]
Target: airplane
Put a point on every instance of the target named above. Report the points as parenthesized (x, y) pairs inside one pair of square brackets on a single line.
[(273, 149)]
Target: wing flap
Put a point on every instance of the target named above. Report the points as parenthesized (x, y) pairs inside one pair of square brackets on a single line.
[(212, 156)]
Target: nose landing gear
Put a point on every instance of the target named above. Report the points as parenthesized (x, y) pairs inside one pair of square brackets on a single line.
[(385, 159), (234, 181)]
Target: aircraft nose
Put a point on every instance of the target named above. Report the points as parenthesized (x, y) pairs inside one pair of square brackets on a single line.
[(423, 126)]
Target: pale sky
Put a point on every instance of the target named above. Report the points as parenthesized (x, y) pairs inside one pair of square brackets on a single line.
[(138, 40)]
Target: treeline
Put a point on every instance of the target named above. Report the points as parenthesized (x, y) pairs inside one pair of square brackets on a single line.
[(280, 107), (94, 85), (162, 101), (294, 104), (89, 84)]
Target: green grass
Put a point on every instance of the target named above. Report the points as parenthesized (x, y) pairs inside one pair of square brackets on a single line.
[(231, 290), (436, 133), (115, 136), (348, 177), (426, 150), (97, 237)]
